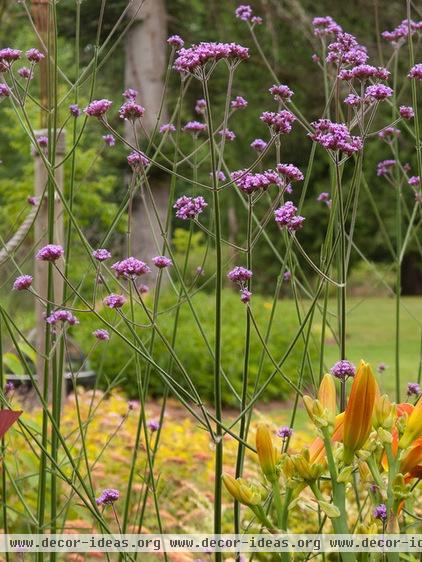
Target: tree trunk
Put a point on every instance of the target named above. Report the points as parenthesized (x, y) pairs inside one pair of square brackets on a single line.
[(145, 68)]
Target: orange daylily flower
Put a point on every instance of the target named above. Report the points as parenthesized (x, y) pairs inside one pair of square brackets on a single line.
[(358, 414), (413, 428)]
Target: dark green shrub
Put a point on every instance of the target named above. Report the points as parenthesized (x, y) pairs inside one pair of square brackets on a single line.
[(109, 359)]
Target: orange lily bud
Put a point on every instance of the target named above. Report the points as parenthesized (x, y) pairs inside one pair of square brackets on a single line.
[(267, 453), (327, 395), (358, 414), (384, 412), (317, 449), (413, 428)]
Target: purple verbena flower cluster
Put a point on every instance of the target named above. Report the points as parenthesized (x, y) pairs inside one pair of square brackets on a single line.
[(162, 262), (406, 112), (109, 140), (175, 41), (239, 274), (325, 26), (281, 92), (197, 56), (290, 172), (101, 254), (335, 136), (364, 72), (101, 334), (130, 268), (388, 133), (98, 108), (286, 216), (131, 111), (345, 50), (259, 145), (416, 72), (413, 388), (167, 128), (107, 497), (284, 432), (62, 316), (189, 207), (114, 301), (250, 182), (51, 252), (22, 282), (384, 167), (380, 512), (194, 127), (137, 161), (238, 103), (280, 122), (343, 369), (227, 134), (401, 32)]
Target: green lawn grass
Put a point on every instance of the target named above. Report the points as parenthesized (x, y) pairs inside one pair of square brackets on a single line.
[(370, 336)]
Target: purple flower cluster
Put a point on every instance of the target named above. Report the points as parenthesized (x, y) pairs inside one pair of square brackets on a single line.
[(101, 334), (26, 73), (227, 134), (107, 497), (380, 512), (345, 50), (406, 112), (62, 316), (416, 72), (286, 216), (290, 172), (74, 110), (324, 196), (167, 128), (101, 254), (130, 94), (131, 111), (245, 296), (287, 275), (413, 388), (259, 145), (414, 181), (281, 92), (200, 106), (284, 432), (325, 26), (363, 72), (343, 369), (219, 176), (9, 55), (244, 12), (189, 60), (130, 268), (162, 261), (98, 108), (114, 301), (22, 282), (384, 167), (280, 122), (378, 92), (189, 207), (109, 140), (137, 161), (4, 91), (335, 136), (194, 127), (34, 55), (175, 41), (249, 182), (240, 275), (238, 103), (153, 425), (51, 252), (401, 31), (389, 132), (42, 141)]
